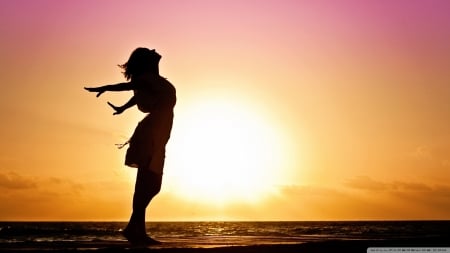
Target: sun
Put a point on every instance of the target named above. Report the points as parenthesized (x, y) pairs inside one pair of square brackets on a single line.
[(224, 151)]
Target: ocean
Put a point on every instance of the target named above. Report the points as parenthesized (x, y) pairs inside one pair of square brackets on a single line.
[(216, 234)]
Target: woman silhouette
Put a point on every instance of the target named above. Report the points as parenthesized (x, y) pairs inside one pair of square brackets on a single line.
[(155, 96)]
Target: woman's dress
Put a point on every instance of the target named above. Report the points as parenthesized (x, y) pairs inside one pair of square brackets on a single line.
[(157, 97)]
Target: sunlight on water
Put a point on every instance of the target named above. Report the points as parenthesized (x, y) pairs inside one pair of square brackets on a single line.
[(208, 234)]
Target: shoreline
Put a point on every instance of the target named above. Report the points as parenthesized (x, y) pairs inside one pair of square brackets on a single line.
[(348, 246)]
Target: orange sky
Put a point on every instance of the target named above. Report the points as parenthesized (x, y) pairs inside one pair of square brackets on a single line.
[(306, 110)]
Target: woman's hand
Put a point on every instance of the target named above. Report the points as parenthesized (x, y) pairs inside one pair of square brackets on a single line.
[(99, 90), (118, 109)]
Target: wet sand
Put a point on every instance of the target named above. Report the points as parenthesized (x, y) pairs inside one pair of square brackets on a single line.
[(347, 246)]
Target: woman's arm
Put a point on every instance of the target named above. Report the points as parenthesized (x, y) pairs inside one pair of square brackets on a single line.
[(111, 87), (120, 109)]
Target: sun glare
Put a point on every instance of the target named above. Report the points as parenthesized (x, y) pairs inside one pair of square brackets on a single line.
[(225, 152)]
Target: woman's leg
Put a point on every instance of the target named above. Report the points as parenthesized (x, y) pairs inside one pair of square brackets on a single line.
[(148, 185)]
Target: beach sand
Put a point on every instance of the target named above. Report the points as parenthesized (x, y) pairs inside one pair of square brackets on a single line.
[(347, 246)]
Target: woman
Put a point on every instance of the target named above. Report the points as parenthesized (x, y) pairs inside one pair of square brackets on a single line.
[(155, 96)]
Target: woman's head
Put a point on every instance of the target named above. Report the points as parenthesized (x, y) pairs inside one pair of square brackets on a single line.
[(141, 60)]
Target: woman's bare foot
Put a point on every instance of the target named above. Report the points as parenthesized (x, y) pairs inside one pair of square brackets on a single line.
[(150, 241), (132, 236), (139, 239)]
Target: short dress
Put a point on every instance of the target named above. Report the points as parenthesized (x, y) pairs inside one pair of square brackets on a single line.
[(157, 97)]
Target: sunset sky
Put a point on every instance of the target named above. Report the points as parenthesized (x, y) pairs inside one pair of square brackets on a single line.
[(287, 109)]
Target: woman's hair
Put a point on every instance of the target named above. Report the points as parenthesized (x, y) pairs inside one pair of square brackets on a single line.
[(140, 61)]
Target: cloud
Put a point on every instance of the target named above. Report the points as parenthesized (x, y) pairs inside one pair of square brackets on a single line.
[(14, 181), (435, 156), (25, 197), (411, 187), (60, 182), (366, 183), (360, 198), (422, 153), (363, 197), (414, 199)]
